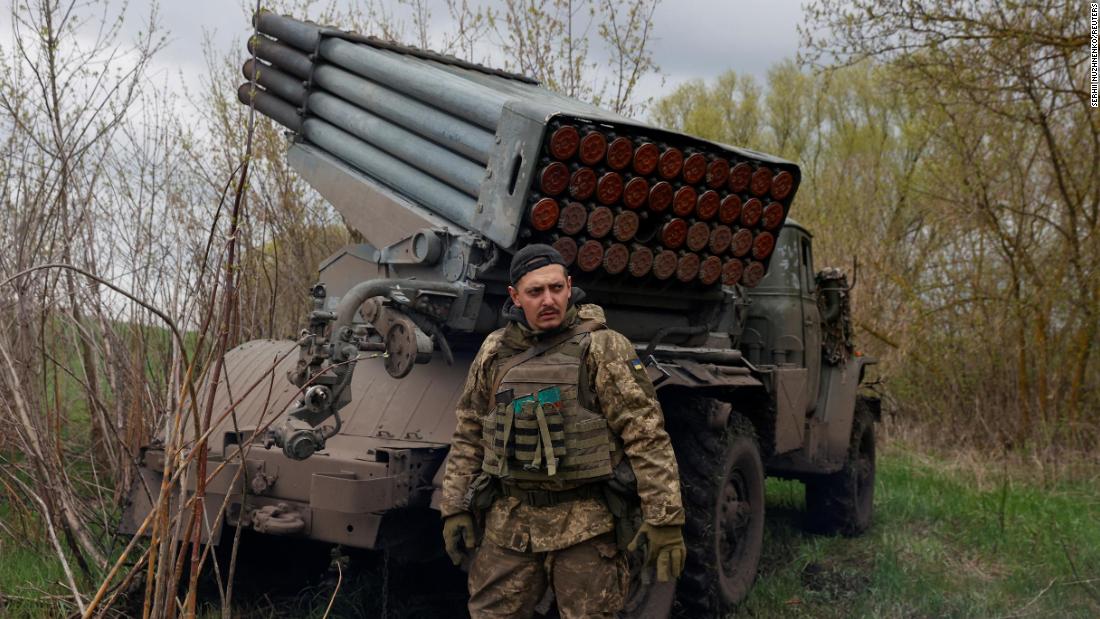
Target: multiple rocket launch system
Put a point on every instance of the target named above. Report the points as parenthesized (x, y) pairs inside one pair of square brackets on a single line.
[(477, 150)]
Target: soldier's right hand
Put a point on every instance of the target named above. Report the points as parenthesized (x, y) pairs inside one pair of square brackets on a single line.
[(459, 536)]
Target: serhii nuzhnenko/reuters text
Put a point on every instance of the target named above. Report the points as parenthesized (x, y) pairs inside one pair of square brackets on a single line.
[(1094, 79)]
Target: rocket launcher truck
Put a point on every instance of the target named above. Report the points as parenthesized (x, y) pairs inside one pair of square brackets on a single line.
[(446, 168)]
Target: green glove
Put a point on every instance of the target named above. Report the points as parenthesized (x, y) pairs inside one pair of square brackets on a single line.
[(663, 546), (458, 536)]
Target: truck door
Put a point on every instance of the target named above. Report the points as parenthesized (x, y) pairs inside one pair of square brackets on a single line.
[(811, 322)]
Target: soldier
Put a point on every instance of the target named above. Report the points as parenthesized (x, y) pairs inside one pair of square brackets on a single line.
[(557, 413)]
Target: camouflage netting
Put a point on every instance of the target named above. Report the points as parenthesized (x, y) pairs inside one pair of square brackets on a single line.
[(834, 302)]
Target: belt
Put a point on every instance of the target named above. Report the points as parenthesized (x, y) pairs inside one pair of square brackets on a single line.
[(549, 498)]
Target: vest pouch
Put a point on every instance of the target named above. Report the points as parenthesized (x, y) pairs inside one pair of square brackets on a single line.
[(551, 400), (503, 431), (525, 432), (589, 444)]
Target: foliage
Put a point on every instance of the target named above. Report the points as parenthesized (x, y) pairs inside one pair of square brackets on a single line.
[(1007, 186), (953, 153)]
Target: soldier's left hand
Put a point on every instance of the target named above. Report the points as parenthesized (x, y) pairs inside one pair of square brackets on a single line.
[(664, 546)]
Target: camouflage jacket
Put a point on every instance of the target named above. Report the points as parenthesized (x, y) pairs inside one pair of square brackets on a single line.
[(625, 396)]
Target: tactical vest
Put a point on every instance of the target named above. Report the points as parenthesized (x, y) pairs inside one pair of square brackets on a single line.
[(540, 428)]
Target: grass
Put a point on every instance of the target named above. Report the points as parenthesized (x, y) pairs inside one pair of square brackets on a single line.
[(947, 541), (952, 537)]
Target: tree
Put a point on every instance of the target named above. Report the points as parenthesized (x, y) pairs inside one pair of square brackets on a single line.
[(1017, 151)]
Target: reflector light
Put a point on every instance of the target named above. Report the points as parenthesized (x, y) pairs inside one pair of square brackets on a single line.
[(619, 153), (754, 272), (773, 216), (761, 181), (616, 258), (626, 225), (763, 245), (740, 176), (544, 214), (664, 264), (731, 271), (554, 178), (684, 202), (730, 209), (593, 146), (610, 188), (707, 206), (741, 242), (590, 256), (751, 212), (718, 173), (564, 141), (687, 268), (641, 261), (674, 233), (660, 197), (710, 270), (698, 236), (582, 183), (600, 221), (573, 218), (645, 158), (670, 163), (636, 192), (695, 168), (782, 185), (720, 239), (567, 247)]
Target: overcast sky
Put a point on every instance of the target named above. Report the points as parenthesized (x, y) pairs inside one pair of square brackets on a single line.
[(693, 38)]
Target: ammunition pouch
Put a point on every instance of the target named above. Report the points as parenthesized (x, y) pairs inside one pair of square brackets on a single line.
[(480, 494), (621, 497)]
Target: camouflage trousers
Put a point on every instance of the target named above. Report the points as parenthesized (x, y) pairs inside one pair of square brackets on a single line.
[(589, 579)]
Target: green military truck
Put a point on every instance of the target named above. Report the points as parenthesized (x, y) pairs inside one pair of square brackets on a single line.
[(446, 168)]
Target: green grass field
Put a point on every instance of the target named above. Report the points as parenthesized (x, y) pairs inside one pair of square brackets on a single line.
[(951, 538), (948, 540)]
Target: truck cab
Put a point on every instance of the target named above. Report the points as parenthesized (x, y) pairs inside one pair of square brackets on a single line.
[(783, 323)]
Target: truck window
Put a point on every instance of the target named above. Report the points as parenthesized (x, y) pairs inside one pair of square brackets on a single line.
[(785, 268)]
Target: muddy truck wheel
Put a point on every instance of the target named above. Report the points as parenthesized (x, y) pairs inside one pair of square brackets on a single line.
[(843, 502), (647, 598), (722, 476)]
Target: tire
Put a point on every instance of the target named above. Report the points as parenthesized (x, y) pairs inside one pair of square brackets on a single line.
[(646, 598), (843, 502), (722, 476)]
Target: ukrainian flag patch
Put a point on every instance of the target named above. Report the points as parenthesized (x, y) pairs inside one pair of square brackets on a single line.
[(636, 365)]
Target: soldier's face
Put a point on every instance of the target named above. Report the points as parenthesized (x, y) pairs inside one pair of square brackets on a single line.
[(543, 295)]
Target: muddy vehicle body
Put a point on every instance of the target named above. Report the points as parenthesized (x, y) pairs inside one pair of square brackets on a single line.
[(446, 168)]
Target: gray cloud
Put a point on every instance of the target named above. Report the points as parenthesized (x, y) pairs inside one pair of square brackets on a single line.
[(693, 38)]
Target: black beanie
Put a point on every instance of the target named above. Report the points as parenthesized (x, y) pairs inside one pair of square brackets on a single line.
[(533, 257)]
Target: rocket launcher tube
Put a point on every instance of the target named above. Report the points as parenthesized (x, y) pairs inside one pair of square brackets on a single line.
[(268, 104), (300, 34), (283, 56), (450, 131), (276, 82), (428, 84), (437, 196), (455, 170)]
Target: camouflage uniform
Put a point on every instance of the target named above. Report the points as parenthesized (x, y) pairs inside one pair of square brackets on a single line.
[(522, 543)]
